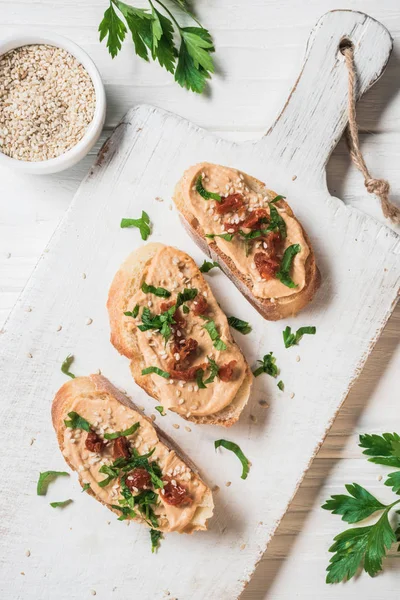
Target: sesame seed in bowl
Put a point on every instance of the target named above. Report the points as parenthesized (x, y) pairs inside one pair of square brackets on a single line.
[(52, 103)]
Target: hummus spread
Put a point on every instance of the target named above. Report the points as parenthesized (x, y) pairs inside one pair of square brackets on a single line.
[(225, 181), (107, 415), (175, 271)]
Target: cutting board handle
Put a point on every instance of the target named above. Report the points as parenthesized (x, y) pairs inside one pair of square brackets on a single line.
[(315, 114)]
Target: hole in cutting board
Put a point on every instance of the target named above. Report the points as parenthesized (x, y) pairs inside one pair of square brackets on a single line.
[(344, 44)]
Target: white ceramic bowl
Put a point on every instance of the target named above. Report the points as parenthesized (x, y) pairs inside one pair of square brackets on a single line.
[(77, 152)]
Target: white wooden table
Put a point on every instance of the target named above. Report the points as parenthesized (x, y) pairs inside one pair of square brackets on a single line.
[(260, 46)]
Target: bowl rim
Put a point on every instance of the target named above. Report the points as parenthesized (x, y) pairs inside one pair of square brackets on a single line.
[(71, 156)]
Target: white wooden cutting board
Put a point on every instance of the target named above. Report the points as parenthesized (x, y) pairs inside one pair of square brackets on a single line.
[(84, 547)]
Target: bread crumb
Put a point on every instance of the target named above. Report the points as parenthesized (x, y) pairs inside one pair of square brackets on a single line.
[(29, 355), (59, 328), (243, 546), (28, 553), (22, 573), (89, 321), (188, 429), (33, 440), (297, 358), (228, 483), (263, 403), (153, 417), (292, 395), (176, 425), (253, 418), (93, 592), (29, 309), (294, 177)]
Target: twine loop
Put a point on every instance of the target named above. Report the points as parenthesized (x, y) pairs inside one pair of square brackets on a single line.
[(379, 187)]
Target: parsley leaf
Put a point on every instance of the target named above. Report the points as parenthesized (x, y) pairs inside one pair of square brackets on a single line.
[(157, 291), (143, 224), (112, 26), (111, 472), (185, 296), (163, 41), (130, 431), (214, 369), (61, 504), (199, 379), (155, 537), (268, 365), (211, 328), (281, 385), (277, 199), (139, 23), (162, 321), (243, 326), (134, 313), (207, 266), (66, 365), (156, 370), (228, 237), (160, 410), (236, 450), (384, 449), (277, 222), (393, 481), (46, 478), (185, 309), (285, 266), (206, 194), (194, 61), (290, 339), (356, 507), (86, 487), (77, 422)]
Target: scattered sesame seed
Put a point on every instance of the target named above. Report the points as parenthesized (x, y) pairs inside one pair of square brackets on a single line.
[(243, 546), (188, 429), (153, 417), (181, 401), (294, 177), (29, 309), (93, 592), (216, 488), (379, 478), (59, 328), (29, 355), (263, 403), (28, 553), (253, 418), (33, 440), (292, 395), (159, 199), (83, 275), (175, 425), (8, 255), (297, 358), (89, 321), (228, 483)]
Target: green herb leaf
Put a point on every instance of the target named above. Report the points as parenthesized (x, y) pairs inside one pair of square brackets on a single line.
[(384, 449), (139, 23), (157, 291), (160, 410), (356, 507), (207, 266), (130, 431), (162, 322), (228, 237), (277, 222), (393, 481), (163, 41), (156, 370), (214, 369), (185, 309), (199, 379), (207, 196), (236, 450), (77, 422), (111, 472), (281, 385), (243, 326), (290, 339), (134, 313), (211, 328), (185, 296), (46, 478), (285, 266), (66, 365), (127, 513), (194, 61), (155, 537), (268, 365), (143, 224), (361, 544), (277, 199), (112, 26), (86, 487), (61, 504)]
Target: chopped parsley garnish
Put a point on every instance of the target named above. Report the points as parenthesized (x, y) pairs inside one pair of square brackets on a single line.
[(143, 224), (130, 431), (61, 504), (276, 199), (199, 379), (160, 409), (111, 473), (204, 193), (155, 537), (207, 266), (134, 313), (77, 422), (66, 365), (157, 291), (211, 328), (86, 487), (285, 266), (214, 369), (46, 478), (157, 371), (277, 222), (268, 365), (243, 326), (162, 322), (236, 450), (290, 339), (185, 296), (228, 237), (185, 309), (281, 385)]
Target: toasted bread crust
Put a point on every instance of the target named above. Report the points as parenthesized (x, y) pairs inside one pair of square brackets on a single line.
[(129, 277), (272, 310), (99, 385)]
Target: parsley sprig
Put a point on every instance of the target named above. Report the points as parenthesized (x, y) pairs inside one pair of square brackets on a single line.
[(143, 224), (365, 546), (153, 38)]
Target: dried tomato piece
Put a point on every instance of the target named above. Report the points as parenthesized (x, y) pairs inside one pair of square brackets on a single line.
[(233, 227), (186, 374), (139, 479), (272, 240), (230, 204), (121, 448), (267, 266), (225, 372), (174, 493), (253, 221), (93, 442), (184, 350), (200, 305)]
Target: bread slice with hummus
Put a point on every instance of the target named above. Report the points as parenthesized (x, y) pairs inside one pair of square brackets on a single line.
[(253, 234), (165, 319), (124, 461)]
